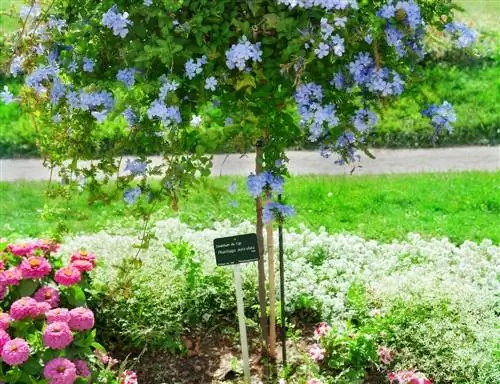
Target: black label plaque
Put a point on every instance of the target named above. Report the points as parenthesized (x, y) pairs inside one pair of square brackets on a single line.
[(236, 249)]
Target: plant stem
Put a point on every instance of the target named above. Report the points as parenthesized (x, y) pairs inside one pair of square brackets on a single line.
[(260, 241)]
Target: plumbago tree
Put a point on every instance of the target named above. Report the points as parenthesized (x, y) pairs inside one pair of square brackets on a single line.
[(184, 78)]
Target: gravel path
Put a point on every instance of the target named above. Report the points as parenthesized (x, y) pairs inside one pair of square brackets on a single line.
[(305, 162)]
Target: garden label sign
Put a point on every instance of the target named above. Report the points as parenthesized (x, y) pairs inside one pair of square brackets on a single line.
[(235, 250)]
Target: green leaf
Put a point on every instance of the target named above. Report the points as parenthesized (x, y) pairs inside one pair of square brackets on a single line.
[(27, 287), (76, 296)]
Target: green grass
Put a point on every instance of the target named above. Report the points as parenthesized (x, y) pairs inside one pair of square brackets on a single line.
[(460, 206)]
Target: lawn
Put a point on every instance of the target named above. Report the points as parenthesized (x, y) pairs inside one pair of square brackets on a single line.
[(460, 206)]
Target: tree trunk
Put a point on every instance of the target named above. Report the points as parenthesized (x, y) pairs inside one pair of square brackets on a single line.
[(260, 241), (272, 289)]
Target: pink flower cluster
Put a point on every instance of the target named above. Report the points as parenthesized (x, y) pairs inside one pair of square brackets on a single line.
[(322, 330), (408, 377), (33, 261)]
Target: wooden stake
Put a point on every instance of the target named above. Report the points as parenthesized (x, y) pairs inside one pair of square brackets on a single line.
[(272, 289)]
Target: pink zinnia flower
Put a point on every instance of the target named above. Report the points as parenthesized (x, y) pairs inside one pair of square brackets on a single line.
[(81, 319), (4, 337), (385, 355), (322, 330), (23, 308), (15, 352), (316, 353), (2, 264), (57, 335), (60, 371), (82, 369), (5, 321), (48, 295), (82, 265), (84, 256), (128, 377), (68, 276), (12, 276), (58, 314), (35, 267), (21, 249)]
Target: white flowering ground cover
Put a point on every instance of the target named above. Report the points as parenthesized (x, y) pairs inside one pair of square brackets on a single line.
[(321, 267)]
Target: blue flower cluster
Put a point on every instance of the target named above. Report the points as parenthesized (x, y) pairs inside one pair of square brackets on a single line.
[(6, 96), (238, 55), (131, 195), (41, 74), (464, 37), (167, 87), (383, 81), (442, 116), (409, 37), (97, 103), (328, 5), (116, 21), (147, 3), (278, 210), (194, 68), (135, 167), (313, 114), (257, 184), (330, 42), (169, 115), (126, 76), (364, 120)]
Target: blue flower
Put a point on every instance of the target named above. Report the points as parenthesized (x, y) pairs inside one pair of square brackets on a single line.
[(135, 167), (337, 43), (238, 55), (6, 96), (442, 116), (280, 211), (127, 77), (193, 67), (88, 65), (322, 51), (167, 87), (131, 195), (73, 66), (327, 5), (169, 115), (464, 37), (58, 90), (116, 21), (228, 121), (211, 83), (255, 185), (147, 3), (38, 76), (129, 116), (364, 120)]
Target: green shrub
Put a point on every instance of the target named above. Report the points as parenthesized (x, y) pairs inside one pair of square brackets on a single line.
[(156, 302)]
